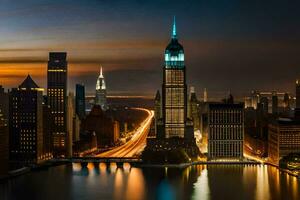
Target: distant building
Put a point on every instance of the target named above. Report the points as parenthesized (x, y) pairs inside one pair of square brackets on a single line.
[(193, 109), (57, 100), (274, 103), (106, 129), (157, 110), (70, 122), (283, 138), (225, 131), (26, 124), (4, 103), (80, 101), (264, 105), (76, 128), (48, 124), (100, 98), (3, 146)]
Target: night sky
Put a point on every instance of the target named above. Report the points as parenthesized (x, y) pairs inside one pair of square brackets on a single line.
[(229, 45)]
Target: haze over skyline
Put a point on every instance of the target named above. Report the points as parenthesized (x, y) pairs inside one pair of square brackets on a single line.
[(229, 45)]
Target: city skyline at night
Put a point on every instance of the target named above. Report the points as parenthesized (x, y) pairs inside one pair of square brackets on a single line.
[(142, 100), (242, 41)]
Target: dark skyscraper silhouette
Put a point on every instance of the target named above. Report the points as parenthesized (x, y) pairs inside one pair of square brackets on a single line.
[(80, 101), (26, 124), (57, 100)]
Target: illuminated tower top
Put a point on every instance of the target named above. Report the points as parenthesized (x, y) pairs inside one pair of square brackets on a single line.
[(174, 53), (100, 81)]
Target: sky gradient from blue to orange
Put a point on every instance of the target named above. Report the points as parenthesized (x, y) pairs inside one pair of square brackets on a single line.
[(229, 44)]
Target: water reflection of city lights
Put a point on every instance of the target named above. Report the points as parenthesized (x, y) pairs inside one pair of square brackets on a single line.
[(102, 167), (113, 167), (135, 185), (118, 184), (126, 167), (76, 167)]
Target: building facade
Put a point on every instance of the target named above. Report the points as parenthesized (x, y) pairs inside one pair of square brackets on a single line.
[(174, 129), (57, 100), (283, 138), (174, 91), (26, 124), (225, 131), (100, 97)]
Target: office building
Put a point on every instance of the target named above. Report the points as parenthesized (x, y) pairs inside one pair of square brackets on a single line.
[(175, 131), (283, 138), (80, 101), (57, 100), (225, 131), (26, 124)]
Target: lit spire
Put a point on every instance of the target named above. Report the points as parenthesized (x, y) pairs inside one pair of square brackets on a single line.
[(174, 34), (101, 75)]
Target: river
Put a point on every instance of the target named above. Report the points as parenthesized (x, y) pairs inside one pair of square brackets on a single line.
[(72, 182)]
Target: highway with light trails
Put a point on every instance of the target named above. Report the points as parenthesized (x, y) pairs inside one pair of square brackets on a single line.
[(137, 142)]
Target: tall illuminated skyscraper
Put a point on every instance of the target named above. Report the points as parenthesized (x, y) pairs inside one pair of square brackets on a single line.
[(57, 100), (174, 129), (100, 98), (174, 89)]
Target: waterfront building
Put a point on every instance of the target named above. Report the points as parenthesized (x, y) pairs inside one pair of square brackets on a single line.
[(174, 89), (80, 101), (3, 146), (100, 98), (26, 124), (174, 129), (283, 138), (57, 100), (225, 131)]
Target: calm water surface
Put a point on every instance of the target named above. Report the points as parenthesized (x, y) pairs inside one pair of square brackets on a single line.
[(109, 182)]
